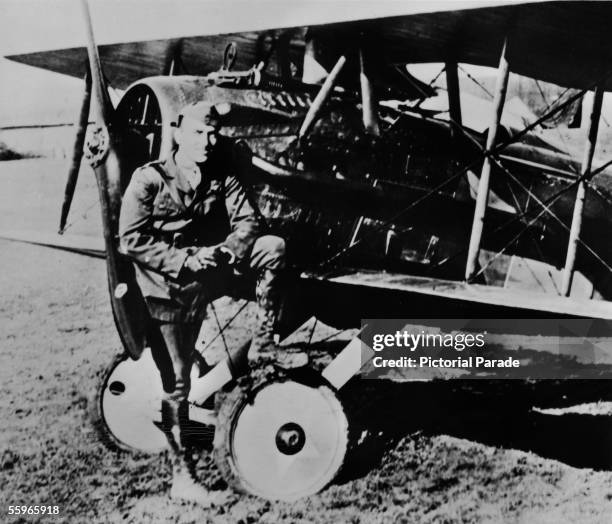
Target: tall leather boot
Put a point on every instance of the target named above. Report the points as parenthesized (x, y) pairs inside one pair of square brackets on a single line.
[(268, 293), (184, 481), (268, 305)]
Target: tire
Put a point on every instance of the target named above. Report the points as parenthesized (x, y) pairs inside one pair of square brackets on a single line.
[(257, 432), (126, 404)]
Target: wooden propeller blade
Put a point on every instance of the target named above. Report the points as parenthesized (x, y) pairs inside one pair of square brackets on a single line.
[(129, 311), (77, 153)]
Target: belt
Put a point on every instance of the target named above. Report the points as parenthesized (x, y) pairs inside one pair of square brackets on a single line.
[(177, 239)]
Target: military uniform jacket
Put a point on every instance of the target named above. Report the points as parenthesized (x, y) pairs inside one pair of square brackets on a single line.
[(163, 220)]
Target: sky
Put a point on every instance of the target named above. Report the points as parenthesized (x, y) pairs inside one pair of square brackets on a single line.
[(32, 96)]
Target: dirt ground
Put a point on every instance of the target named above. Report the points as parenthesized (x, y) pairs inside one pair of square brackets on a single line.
[(427, 453)]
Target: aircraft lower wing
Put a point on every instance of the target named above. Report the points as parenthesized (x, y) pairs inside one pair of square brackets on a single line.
[(84, 245), (459, 298), (447, 295)]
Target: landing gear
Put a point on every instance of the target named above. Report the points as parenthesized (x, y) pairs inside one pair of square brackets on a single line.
[(279, 434), (283, 441)]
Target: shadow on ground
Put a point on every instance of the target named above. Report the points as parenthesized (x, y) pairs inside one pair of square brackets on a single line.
[(492, 412)]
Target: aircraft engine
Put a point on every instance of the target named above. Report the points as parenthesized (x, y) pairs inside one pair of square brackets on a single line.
[(150, 107)]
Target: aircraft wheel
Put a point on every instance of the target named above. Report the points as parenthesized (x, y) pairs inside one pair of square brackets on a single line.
[(127, 403), (284, 441)]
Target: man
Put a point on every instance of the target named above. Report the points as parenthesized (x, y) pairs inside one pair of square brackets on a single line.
[(188, 224)]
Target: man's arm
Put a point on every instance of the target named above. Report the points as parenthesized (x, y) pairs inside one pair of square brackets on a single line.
[(243, 219), (136, 238)]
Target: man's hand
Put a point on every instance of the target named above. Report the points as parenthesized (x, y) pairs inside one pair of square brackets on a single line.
[(215, 256), (225, 255), (206, 257), (193, 264)]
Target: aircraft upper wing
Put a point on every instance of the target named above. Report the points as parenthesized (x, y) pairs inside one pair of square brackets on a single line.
[(127, 62), (136, 38), (565, 43)]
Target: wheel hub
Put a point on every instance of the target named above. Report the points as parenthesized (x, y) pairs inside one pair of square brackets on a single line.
[(290, 438)]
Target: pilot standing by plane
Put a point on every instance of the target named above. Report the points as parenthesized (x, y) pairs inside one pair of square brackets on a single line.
[(188, 225)]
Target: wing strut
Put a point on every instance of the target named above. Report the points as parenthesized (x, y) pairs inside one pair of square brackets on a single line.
[(173, 62), (454, 100), (77, 152), (368, 100), (324, 93), (483, 186), (587, 160)]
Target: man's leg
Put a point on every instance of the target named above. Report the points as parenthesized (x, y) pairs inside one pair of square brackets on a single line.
[(268, 262), (174, 355), (175, 362)]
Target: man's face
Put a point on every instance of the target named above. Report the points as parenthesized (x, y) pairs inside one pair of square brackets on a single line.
[(196, 140)]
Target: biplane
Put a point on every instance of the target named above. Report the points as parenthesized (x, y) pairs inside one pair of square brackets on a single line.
[(388, 209)]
